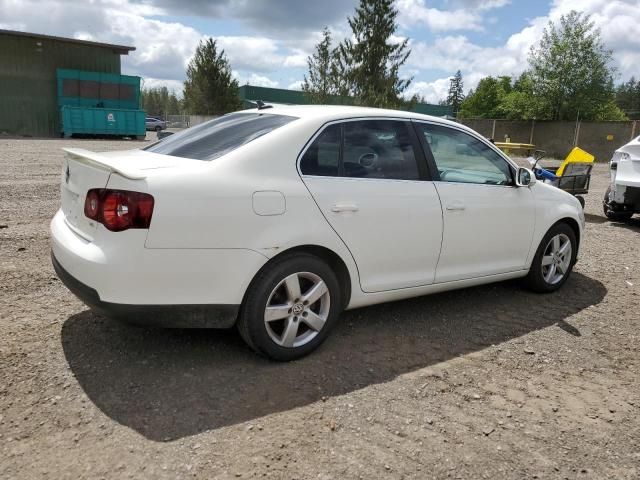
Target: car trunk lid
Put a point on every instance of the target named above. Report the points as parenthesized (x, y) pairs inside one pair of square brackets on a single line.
[(83, 170)]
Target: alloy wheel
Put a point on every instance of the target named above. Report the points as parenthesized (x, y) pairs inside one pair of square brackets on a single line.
[(556, 259), (297, 309)]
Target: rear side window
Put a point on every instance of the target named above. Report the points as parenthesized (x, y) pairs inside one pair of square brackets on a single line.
[(219, 136), (379, 149), (322, 158), (382, 149)]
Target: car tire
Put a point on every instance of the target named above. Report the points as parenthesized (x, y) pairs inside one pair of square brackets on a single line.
[(283, 321), (158, 128), (552, 266), (612, 214)]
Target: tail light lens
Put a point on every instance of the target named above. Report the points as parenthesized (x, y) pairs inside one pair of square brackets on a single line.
[(119, 210)]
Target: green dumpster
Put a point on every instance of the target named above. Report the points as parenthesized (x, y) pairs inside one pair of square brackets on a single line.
[(96, 103), (102, 121)]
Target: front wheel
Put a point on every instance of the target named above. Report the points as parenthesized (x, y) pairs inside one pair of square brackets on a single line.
[(554, 259), (290, 307)]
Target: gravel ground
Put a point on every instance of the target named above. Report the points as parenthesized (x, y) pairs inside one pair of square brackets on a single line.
[(489, 382)]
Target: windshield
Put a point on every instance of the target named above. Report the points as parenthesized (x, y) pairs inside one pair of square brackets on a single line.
[(219, 136)]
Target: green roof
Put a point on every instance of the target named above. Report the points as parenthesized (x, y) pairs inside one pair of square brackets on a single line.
[(251, 93)]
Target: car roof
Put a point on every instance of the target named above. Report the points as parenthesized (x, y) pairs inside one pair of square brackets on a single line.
[(338, 112)]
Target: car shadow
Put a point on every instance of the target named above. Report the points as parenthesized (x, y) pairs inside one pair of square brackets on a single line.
[(168, 384), (591, 218), (632, 224)]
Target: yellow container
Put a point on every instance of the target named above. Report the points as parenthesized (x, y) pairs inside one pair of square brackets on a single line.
[(577, 155)]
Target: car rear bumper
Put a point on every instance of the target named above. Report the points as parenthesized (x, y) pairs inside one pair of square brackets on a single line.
[(172, 316), (117, 275)]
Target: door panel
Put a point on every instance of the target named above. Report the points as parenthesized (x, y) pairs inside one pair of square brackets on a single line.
[(487, 230), (488, 222), (368, 178), (393, 228)]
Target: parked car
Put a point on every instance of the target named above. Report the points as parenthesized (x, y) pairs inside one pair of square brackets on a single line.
[(157, 124), (622, 198), (276, 221)]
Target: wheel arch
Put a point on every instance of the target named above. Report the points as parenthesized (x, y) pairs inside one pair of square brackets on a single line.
[(574, 226), (327, 255)]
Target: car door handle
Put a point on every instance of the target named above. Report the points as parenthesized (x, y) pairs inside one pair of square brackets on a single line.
[(455, 207), (339, 208)]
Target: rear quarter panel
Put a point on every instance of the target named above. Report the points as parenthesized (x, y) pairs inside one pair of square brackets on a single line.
[(212, 207)]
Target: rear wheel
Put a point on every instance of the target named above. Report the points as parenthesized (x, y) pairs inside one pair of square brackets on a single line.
[(290, 307), (158, 128), (554, 259)]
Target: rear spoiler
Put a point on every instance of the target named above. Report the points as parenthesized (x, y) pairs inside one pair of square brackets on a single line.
[(104, 162)]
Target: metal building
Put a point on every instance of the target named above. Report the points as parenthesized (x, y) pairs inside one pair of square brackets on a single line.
[(28, 91)]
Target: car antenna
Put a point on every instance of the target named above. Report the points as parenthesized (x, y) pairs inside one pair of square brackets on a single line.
[(262, 106)]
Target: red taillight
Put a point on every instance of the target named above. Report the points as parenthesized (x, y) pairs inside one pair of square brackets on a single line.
[(92, 204), (119, 210)]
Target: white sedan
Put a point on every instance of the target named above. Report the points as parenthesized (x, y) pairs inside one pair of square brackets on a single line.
[(276, 220)]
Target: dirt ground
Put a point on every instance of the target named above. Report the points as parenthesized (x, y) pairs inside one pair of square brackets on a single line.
[(490, 382)]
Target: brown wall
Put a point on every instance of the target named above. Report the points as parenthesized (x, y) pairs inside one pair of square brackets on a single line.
[(557, 138)]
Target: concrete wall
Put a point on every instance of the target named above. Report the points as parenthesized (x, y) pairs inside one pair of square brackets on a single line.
[(558, 138)]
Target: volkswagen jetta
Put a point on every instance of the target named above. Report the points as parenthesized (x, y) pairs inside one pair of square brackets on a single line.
[(276, 220)]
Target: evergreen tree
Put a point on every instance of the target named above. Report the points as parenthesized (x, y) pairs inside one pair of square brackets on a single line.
[(210, 88), (456, 92), (371, 60), (321, 84)]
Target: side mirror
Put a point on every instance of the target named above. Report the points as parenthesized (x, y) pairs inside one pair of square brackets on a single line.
[(525, 177), (614, 165)]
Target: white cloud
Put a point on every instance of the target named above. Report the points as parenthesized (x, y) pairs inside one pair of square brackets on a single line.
[(415, 12), (432, 92), (254, 79), (258, 54), (481, 4), (298, 59), (174, 86), (295, 85)]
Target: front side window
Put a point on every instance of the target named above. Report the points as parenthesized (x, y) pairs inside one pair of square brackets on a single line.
[(381, 149), (219, 136), (463, 158)]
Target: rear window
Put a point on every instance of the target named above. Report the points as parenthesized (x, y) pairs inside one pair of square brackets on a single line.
[(219, 136)]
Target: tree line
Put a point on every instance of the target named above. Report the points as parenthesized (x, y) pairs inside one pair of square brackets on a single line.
[(569, 75), (160, 102)]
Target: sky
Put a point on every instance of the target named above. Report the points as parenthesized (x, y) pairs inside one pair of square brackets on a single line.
[(268, 41)]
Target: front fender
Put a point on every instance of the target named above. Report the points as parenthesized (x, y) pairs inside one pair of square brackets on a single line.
[(552, 206)]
